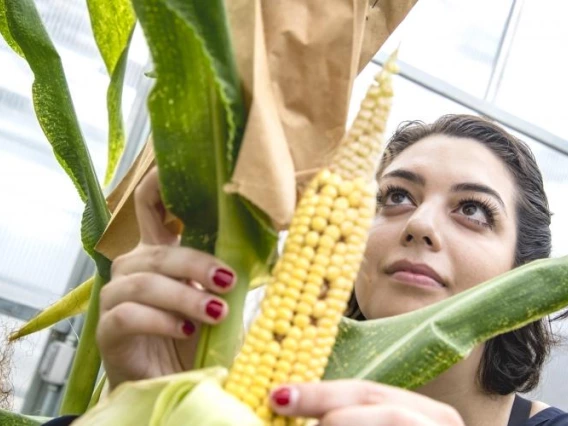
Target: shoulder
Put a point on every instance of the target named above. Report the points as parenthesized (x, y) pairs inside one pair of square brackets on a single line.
[(61, 421), (550, 416)]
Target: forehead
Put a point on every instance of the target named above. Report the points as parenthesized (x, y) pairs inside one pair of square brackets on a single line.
[(446, 160)]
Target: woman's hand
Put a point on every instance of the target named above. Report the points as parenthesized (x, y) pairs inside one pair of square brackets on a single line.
[(362, 403), (159, 294)]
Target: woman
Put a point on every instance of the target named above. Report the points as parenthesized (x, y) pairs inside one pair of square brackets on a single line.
[(460, 202)]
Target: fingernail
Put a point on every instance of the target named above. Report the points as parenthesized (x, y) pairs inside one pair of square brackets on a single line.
[(282, 397), (223, 277), (188, 328), (214, 309)]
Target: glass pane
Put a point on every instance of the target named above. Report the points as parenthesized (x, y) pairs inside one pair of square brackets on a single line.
[(534, 84), (453, 40)]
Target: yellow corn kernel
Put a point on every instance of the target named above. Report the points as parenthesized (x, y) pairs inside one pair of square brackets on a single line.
[(312, 238)]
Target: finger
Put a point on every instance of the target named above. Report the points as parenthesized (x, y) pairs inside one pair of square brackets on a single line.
[(129, 319), (375, 415), (178, 262), (163, 293), (150, 211), (317, 399)]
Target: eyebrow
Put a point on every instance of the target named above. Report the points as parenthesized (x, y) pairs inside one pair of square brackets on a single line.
[(460, 187)]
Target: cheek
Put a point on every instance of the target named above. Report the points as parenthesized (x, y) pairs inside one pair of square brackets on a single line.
[(479, 261), (382, 238)]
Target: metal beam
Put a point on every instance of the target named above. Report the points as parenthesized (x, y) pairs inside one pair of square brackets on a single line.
[(480, 106), (503, 50)]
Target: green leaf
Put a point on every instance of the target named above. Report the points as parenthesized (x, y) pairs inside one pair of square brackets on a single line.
[(411, 349), (73, 303), (57, 118), (198, 115), (8, 418), (113, 24), (196, 109), (5, 30)]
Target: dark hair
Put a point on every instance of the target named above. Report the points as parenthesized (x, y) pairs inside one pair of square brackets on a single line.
[(512, 361)]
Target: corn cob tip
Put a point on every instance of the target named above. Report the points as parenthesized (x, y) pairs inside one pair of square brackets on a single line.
[(359, 152)]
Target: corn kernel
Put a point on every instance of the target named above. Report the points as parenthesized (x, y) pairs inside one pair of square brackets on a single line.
[(288, 304), (315, 278), (279, 377), (289, 343), (312, 238), (333, 231), (332, 273), (250, 399), (308, 254), (325, 200), (283, 366), (281, 326), (319, 309), (310, 332), (309, 298), (323, 211), (341, 203), (321, 259), (310, 288), (329, 190), (303, 308), (301, 321), (287, 355), (318, 223), (326, 241), (283, 314)]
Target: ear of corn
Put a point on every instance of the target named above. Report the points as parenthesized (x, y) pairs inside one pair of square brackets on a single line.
[(310, 286)]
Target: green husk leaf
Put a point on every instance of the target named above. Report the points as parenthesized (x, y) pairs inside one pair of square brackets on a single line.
[(8, 418), (73, 303), (57, 118), (113, 24), (197, 408), (186, 398), (411, 349), (198, 115)]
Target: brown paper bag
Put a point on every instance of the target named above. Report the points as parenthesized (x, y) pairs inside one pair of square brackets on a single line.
[(297, 112)]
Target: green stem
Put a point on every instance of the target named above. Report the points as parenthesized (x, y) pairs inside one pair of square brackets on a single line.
[(87, 360)]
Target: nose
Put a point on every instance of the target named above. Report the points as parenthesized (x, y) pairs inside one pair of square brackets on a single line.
[(421, 228)]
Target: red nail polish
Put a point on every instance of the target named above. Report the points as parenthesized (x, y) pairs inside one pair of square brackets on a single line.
[(214, 309), (223, 277), (188, 328), (281, 397)]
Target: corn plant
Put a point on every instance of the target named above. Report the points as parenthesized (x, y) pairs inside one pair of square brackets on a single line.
[(198, 119)]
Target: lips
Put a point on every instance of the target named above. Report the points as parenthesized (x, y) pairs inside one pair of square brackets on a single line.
[(416, 269)]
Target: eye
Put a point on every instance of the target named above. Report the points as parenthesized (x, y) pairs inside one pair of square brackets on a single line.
[(478, 212), (394, 196)]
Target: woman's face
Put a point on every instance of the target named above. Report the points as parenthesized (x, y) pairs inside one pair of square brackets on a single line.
[(446, 222)]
